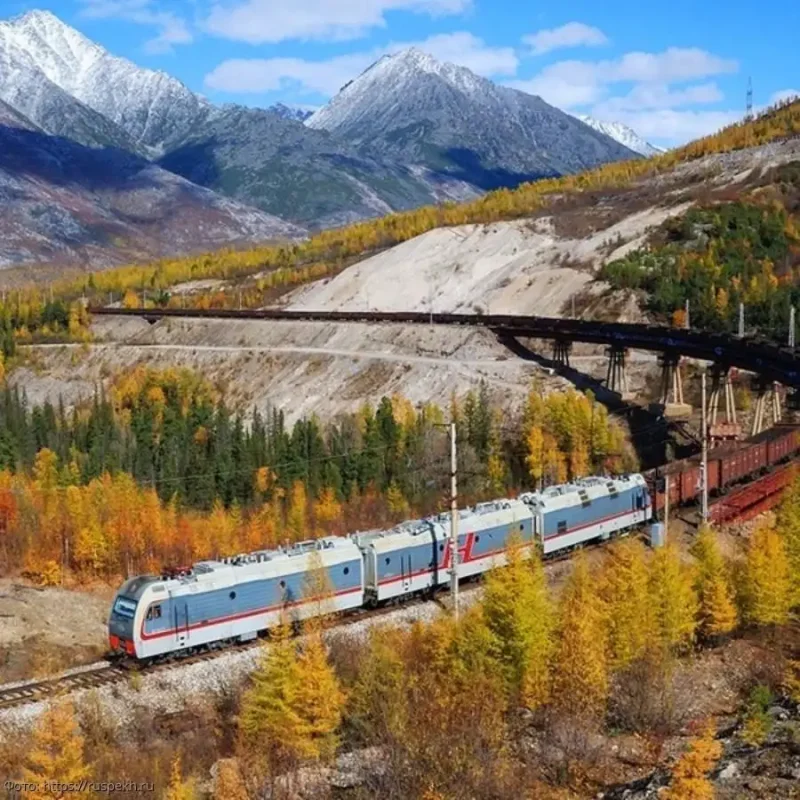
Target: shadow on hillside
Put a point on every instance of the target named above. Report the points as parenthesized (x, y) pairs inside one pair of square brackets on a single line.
[(63, 162), (467, 166), (195, 162), (655, 439)]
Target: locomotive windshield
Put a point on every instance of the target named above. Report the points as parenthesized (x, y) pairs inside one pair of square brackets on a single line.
[(125, 607)]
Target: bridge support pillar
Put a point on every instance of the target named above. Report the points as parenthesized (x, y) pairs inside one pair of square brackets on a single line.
[(561, 351), (617, 376), (721, 385), (768, 399), (672, 387)]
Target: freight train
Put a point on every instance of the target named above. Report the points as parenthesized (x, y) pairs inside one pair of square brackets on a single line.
[(729, 464), (215, 603)]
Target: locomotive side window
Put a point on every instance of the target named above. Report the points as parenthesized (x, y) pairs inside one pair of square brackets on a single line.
[(639, 501), (154, 612), (562, 526)]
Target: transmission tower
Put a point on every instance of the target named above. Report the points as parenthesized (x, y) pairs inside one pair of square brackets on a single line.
[(749, 113)]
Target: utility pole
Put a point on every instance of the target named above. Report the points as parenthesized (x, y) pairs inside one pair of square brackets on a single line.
[(704, 465), (453, 520), (666, 507), (748, 114), (792, 327), (741, 320), (687, 322)]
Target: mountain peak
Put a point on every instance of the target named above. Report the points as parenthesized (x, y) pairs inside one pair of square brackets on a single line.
[(150, 106), (48, 27), (623, 134), (38, 16)]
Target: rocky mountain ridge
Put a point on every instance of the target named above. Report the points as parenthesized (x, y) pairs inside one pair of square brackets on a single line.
[(410, 131), (412, 108), (623, 134)]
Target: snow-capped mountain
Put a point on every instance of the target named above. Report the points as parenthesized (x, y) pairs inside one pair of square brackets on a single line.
[(290, 112), (409, 131), (415, 109), (63, 202), (27, 89), (622, 134), (151, 107)]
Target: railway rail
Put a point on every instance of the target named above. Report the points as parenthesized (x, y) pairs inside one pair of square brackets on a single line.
[(742, 504), (16, 695), (771, 362)]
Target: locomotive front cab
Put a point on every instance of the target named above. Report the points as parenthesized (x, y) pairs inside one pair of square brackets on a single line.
[(124, 614)]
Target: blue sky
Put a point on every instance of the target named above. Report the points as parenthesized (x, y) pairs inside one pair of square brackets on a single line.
[(671, 70)]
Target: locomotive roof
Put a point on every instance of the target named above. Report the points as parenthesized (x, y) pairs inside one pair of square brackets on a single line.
[(246, 565), (569, 494)]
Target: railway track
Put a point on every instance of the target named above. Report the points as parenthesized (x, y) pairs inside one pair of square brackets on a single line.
[(35, 691), (744, 503), (110, 673)]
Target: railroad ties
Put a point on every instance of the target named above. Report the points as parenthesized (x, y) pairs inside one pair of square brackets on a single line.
[(36, 691), (60, 685)]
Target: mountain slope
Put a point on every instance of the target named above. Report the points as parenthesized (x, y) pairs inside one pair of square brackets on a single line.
[(151, 107), (304, 175), (63, 202), (290, 112), (25, 87), (623, 134), (412, 108)]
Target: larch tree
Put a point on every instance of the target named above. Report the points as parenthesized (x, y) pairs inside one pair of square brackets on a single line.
[(297, 514), (766, 585), (56, 752), (228, 782), (788, 526), (518, 612), (318, 592), (271, 728), (580, 664), (717, 608), (178, 788), (690, 774), (624, 586), (673, 599), (319, 699), (535, 455)]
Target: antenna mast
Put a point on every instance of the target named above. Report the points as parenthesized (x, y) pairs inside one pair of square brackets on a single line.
[(749, 113)]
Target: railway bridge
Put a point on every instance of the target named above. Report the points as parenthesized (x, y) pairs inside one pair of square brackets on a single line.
[(772, 365)]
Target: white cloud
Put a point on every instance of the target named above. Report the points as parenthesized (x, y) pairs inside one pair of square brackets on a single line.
[(659, 96), (784, 94), (674, 126), (269, 21), (259, 75), (171, 28), (561, 91), (570, 84), (674, 64), (256, 76), (573, 34)]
